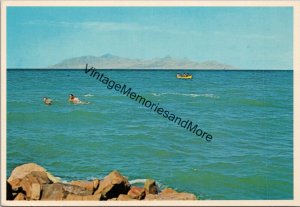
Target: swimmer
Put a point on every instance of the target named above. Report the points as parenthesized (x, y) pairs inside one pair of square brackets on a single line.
[(74, 99), (47, 101)]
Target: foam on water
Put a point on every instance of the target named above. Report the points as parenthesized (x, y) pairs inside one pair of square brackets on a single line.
[(88, 95), (207, 95), (135, 181)]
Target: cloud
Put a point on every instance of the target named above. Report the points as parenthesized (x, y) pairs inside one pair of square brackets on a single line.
[(112, 26), (125, 26)]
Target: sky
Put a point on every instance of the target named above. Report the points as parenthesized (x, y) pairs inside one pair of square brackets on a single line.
[(245, 37)]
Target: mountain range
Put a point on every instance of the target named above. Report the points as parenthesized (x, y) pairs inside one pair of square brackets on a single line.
[(109, 61)]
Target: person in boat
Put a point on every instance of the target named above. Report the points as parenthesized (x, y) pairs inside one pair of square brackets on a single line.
[(47, 101), (74, 99)]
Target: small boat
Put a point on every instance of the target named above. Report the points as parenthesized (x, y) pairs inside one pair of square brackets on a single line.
[(184, 76)]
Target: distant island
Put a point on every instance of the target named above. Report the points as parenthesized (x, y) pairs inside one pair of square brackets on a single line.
[(109, 61)]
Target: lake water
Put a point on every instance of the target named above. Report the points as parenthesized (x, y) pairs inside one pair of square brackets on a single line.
[(248, 113)]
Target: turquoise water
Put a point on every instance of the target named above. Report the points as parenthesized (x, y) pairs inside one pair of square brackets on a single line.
[(248, 113)]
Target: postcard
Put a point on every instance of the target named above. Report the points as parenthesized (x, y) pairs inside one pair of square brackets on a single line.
[(151, 103)]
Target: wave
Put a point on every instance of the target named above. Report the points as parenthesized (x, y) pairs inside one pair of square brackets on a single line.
[(207, 95), (142, 181), (88, 95), (137, 181)]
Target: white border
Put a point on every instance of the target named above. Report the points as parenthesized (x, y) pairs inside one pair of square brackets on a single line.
[(294, 4)]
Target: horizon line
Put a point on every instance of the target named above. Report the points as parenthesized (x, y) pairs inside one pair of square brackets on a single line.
[(146, 69)]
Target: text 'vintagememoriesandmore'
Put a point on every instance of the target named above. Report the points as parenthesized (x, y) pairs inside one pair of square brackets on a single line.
[(155, 107)]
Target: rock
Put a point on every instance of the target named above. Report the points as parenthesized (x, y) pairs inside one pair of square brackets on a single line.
[(92, 197), (35, 191), (9, 192), (52, 178), (21, 171), (136, 193), (53, 192), (20, 197), (74, 197), (77, 190), (35, 177), (123, 197), (151, 187), (113, 199), (26, 188), (168, 190), (113, 185), (177, 196), (151, 197), (96, 183), (84, 184), (32, 182), (39, 177), (15, 184), (61, 191), (170, 194)]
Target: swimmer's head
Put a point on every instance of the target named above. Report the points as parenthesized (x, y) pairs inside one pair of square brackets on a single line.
[(71, 97), (45, 98)]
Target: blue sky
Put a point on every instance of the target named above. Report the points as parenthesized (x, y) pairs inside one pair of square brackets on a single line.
[(246, 37)]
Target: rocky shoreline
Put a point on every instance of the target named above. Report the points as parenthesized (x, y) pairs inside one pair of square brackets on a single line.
[(32, 182)]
